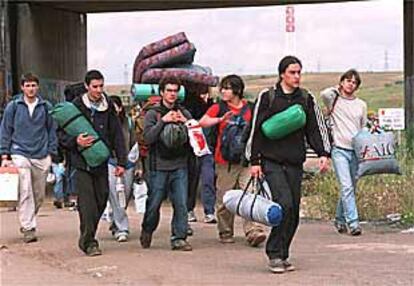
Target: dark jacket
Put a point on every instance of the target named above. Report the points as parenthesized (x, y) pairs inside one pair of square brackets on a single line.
[(107, 125), (153, 126), (290, 150)]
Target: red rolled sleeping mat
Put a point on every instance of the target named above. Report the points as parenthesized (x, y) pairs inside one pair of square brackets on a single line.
[(185, 73), (181, 54)]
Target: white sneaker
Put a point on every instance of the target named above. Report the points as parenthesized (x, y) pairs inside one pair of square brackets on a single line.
[(122, 238), (191, 216), (210, 218)]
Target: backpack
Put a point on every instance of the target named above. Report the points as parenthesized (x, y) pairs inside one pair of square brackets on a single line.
[(232, 143), (328, 118), (139, 127), (72, 91)]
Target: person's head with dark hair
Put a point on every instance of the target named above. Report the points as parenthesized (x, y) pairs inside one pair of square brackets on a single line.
[(169, 80), (29, 84), (290, 68), (231, 84), (169, 88), (94, 83), (93, 74), (350, 81), (119, 107), (29, 77)]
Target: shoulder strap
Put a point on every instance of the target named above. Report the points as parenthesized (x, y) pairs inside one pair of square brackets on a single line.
[(272, 94), (334, 102), (222, 108)]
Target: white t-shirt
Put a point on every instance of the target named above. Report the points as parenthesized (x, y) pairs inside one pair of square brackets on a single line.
[(32, 106), (349, 117)]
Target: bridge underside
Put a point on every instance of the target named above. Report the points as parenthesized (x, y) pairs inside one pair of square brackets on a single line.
[(49, 38)]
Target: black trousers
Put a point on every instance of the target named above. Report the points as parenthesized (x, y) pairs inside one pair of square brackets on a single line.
[(93, 191), (194, 168), (285, 184)]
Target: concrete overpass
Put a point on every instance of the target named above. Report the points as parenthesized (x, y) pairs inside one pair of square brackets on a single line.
[(48, 37)]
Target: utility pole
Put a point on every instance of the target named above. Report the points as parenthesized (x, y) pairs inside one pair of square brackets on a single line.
[(386, 66)]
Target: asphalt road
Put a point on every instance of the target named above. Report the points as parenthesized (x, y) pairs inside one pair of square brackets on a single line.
[(322, 256)]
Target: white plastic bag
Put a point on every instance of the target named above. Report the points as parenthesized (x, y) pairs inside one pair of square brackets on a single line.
[(133, 154), (9, 184), (140, 190), (197, 140)]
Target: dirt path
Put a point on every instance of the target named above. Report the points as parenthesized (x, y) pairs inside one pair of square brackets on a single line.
[(322, 257)]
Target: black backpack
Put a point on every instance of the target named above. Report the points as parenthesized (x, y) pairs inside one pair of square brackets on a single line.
[(72, 91), (232, 139)]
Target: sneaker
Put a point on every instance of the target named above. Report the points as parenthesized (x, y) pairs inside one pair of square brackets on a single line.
[(226, 239), (69, 204), (288, 266), (340, 227), (93, 250), (181, 244), (122, 237), (29, 235), (276, 266), (356, 231), (58, 204), (145, 239), (191, 216), (190, 231), (210, 218), (256, 238)]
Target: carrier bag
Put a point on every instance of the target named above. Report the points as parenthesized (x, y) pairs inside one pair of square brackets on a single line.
[(257, 207), (375, 153), (140, 191), (70, 119), (143, 91), (284, 123), (197, 140), (9, 182)]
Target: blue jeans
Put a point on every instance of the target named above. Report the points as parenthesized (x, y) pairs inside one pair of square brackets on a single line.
[(59, 171), (176, 183), (208, 194), (345, 164)]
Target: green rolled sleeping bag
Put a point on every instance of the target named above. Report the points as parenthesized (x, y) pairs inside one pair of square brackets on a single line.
[(142, 91), (285, 122), (70, 119)]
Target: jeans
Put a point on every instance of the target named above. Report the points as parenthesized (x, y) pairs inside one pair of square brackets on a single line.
[(193, 178), (208, 180), (59, 171), (345, 165), (119, 215), (161, 182)]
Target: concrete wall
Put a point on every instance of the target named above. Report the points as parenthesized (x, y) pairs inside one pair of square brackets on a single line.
[(5, 60), (50, 43)]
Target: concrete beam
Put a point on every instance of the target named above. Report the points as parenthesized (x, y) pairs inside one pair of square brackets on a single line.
[(93, 6), (409, 66)]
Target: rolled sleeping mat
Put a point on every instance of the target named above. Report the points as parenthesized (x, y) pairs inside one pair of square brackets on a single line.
[(71, 119), (284, 123), (143, 91), (253, 207)]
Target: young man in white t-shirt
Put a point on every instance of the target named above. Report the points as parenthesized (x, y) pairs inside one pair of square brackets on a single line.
[(348, 115)]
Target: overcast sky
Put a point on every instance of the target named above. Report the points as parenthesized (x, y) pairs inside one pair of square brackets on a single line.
[(328, 37)]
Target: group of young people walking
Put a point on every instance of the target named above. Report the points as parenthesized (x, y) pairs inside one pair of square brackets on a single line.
[(29, 137)]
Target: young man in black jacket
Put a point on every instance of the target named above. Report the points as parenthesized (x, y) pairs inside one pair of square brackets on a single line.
[(91, 184), (281, 160)]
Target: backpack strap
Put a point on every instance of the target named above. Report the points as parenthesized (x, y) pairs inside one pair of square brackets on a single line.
[(334, 103)]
